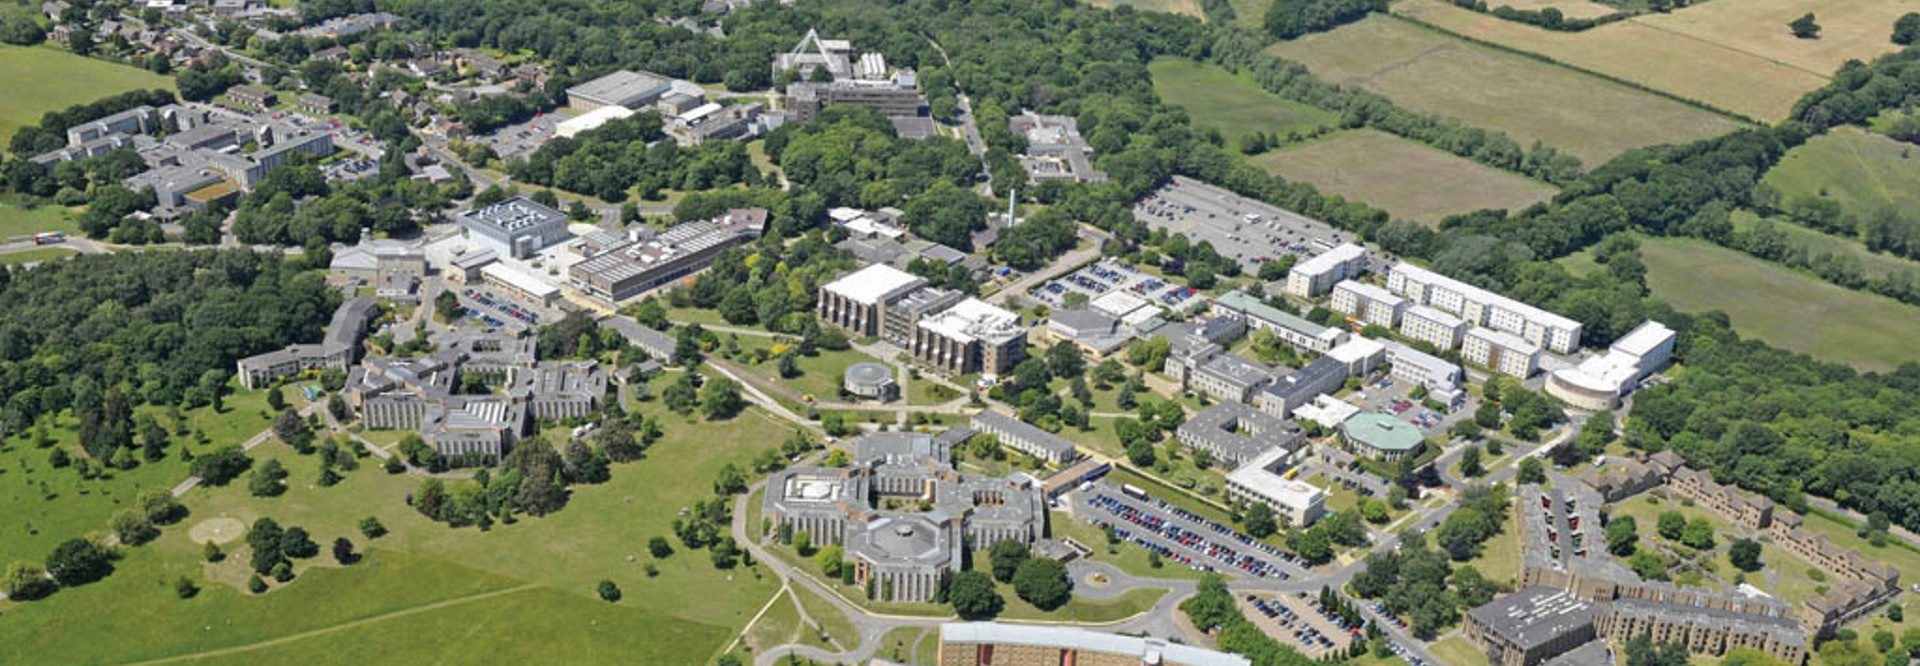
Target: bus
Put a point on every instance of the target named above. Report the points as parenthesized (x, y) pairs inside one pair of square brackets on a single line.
[(46, 237), (1133, 491)]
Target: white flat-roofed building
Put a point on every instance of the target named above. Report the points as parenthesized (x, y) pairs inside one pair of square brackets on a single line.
[(520, 284), (572, 127), (1368, 303), (856, 302), (1441, 377), (971, 336), (1501, 352), (516, 227), (1485, 308), (1294, 503), (1432, 326), (1361, 355), (995, 644), (1327, 411), (1599, 382), (1120, 303), (1316, 276)]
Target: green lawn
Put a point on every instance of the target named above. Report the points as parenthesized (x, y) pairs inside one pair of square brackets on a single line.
[(601, 534), (42, 78), (1232, 104), (1860, 169), (1456, 651), (18, 221), (1776, 304), (833, 622), (1499, 558), (779, 626), (1895, 553), (36, 255), (925, 392), (41, 506), (899, 643), (1875, 264)]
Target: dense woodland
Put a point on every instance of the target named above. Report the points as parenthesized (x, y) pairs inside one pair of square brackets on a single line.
[(163, 328)]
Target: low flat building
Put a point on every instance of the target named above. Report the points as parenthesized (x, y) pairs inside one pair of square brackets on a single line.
[(1234, 433), (1360, 355), (1501, 352), (1024, 437), (1294, 503), (260, 99), (591, 120), (517, 227), (1316, 276), (1441, 377), (1324, 376), (624, 88), (654, 343), (993, 644), (1096, 333), (1380, 436), (1055, 149), (625, 272), (1599, 382), (520, 285), (1292, 329), (339, 349)]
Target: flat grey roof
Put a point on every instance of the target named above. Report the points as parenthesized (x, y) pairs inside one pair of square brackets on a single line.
[(1534, 616), (620, 87), (1023, 430)]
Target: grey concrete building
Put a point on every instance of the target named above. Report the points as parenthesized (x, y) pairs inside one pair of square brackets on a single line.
[(516, 227), (1234, 433), (1321, 377), (623, 88), (648, 263), (1024, 437), (339, 349)]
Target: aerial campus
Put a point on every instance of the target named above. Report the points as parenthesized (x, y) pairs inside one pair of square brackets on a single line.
[(993, 333)]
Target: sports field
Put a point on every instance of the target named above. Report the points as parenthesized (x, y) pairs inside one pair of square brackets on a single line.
[(1876, 264), (517, 585), (1232, 104), (41, 79), (1859, 169), (1409, 180), (1430, 71), (1793, 310), (1188, 7), (1656, 54)]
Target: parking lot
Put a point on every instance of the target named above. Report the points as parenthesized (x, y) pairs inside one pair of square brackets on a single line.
[(1301, 622), (1180, 536), (1107, 276), (496, 310), (1390, 396), (519, 139), (1246, 230)]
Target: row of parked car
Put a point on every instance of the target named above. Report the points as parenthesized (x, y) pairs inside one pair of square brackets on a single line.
[(1187, 538), (1302, 632), (1250, 542), (505, 307)]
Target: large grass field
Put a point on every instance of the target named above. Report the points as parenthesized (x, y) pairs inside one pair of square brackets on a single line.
[(1781, 306), (1652, 52), (17, 221), (1409, 180), (1431, 71), (558, 559), (1876, 264), (41, 79), (1234, 105), (1857, 168)]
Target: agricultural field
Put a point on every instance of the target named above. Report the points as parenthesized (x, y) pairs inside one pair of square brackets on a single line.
[(1218, 99), (1774, 303), (1430, 71), (1409, 180), (1187, 7), (1758, 85), (18, 221), (1875, 264), (1849, 29), (41, 79), (532, 579), (1250, 13), (1857, 168)]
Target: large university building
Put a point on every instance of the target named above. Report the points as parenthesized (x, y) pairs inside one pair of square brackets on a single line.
[(993, 644), (1599, 382), (633, 268), (516, 227), (1479, 307), (1313, 277), (339, 349), (903, 513)]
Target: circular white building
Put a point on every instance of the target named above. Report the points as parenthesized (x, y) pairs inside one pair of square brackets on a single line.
[(873, 381)]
